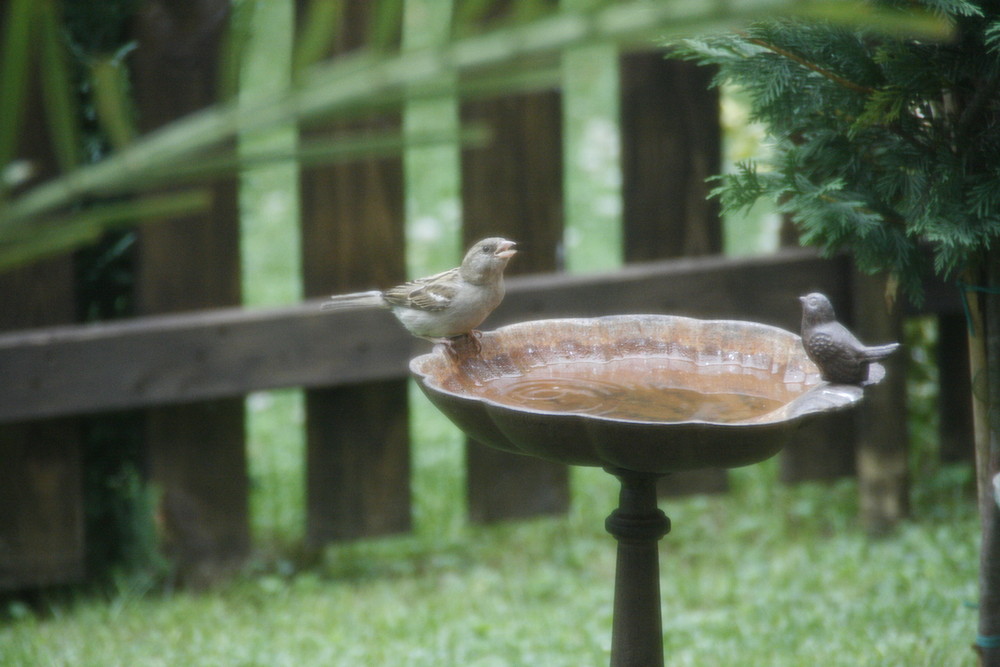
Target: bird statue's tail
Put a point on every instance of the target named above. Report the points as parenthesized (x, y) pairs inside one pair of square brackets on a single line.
[(355, 300), (876, 352)]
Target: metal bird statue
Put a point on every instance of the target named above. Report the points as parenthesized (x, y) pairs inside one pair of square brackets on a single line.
[(840, 356)]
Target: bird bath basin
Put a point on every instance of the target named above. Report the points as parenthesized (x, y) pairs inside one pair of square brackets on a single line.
[(641, 396)]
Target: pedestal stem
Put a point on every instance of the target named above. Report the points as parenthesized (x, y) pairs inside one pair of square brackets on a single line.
[(637, 524)]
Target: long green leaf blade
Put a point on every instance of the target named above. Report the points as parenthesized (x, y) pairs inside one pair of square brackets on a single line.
[(21, 245), (348, 84), (15, 57), (61, 108), (109, 79), (316, 32)]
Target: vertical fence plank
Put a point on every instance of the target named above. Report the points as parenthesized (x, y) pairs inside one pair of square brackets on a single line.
[(358, 450), (883, 478), (513, 188), (824, 449), (41, 504), (41, 495), (671, 142), (197, 451), (954, 390)]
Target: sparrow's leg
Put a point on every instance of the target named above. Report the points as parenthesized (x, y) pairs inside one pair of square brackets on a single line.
[(451, 345), (474, 338), (455, 346)]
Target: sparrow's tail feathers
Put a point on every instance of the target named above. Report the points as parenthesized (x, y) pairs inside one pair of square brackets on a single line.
[(356, 300), (876, 352)]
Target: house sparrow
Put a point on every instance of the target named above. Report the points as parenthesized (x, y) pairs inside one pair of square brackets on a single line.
[(841, 357), (447, 305)]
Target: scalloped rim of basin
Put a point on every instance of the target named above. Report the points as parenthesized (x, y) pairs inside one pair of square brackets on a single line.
[(720, 343), (657, 447)]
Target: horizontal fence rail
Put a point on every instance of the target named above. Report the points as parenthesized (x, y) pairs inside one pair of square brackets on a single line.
[(169, 359)]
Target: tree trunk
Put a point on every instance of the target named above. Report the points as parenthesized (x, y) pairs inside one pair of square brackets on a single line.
[(984, 357), (883, 439)]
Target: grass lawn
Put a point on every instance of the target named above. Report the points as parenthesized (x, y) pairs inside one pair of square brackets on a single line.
[(765, 575)]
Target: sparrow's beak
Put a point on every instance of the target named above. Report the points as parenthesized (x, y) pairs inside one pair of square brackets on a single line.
[(506, 250), (802, 299)]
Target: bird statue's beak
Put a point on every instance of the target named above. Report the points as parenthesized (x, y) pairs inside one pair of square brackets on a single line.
[(506, 250)]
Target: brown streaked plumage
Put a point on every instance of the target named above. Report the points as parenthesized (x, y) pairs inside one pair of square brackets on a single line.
[(446, 305)]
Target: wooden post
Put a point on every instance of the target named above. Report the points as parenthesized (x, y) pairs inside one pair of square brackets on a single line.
[(41, 502), (671, 142), (954, 390), (513, 188), (197, 454), (882, 449), (41, 495), (358, 450), (984, 347), (824, 449)]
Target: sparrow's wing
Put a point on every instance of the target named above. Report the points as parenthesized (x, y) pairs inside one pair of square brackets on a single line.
[(431, 293)]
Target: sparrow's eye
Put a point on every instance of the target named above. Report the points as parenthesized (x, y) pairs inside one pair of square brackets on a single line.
[(488, 249)]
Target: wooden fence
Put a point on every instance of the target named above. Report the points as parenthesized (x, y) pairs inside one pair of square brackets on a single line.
[(188, 360)]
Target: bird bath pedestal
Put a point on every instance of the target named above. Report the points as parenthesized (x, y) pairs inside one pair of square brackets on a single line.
[(641, 396)]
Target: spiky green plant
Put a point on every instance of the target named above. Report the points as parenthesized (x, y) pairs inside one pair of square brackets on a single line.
[(42, 221), (883, 146)]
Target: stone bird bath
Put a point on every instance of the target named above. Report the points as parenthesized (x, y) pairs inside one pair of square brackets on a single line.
[(641, 396)]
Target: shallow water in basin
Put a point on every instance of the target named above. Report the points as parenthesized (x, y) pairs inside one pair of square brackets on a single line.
[(625, 390)]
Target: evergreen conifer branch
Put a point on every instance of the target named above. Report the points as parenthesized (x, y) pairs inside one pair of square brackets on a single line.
[(887, 146), (836, 78)]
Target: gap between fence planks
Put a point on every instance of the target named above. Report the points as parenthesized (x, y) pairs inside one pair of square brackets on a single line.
[(188, 357)]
